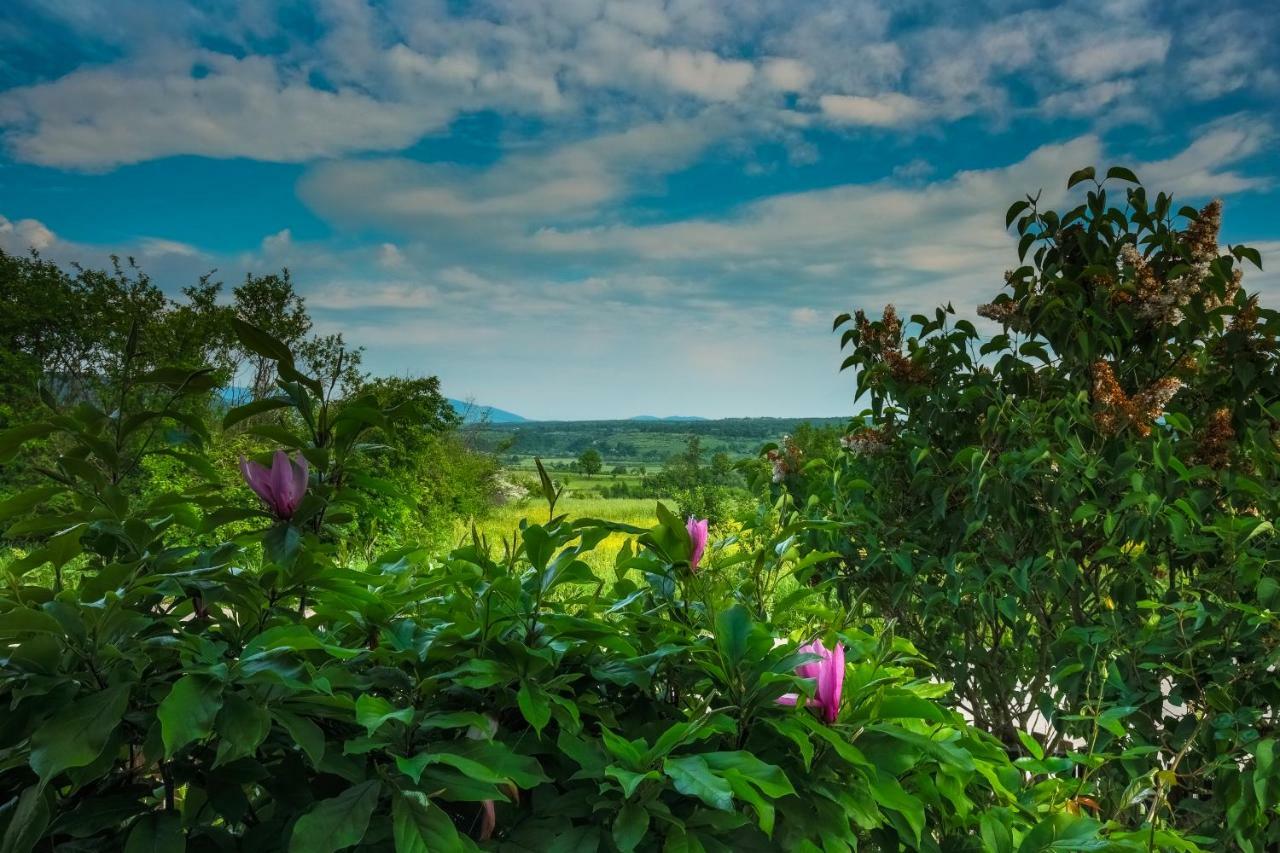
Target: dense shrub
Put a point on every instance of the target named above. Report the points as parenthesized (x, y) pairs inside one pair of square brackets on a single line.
[(257, 693), (1072, 516)]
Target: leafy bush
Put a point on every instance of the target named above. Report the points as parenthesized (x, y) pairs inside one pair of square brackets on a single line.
[(256, 693), (1072, 517)]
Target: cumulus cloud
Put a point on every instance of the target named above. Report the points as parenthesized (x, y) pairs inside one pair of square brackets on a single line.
[(563, 182), (625, 194), (940, 241), (887, 110), (374, 77), (103, 117), (1103, 59), (700, 73), (787, 75), (1198, 169), (24, 235)]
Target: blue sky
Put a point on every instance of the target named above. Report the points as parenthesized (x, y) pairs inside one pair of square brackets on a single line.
[(603, 208)]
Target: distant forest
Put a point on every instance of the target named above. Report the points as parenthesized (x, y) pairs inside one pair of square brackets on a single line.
[(631, 441)]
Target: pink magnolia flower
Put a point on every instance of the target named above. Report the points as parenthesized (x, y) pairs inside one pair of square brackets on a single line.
[(828, 671), (281, 486), (698, 539)]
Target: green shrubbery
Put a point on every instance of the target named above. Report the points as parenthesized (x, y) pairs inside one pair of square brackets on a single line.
[(1072, 518), (1069, 521), (257, 693)]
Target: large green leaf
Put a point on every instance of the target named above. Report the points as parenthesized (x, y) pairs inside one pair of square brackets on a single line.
[(11, 440), (534, 705), (420, 827), (259, 342), (281, 543), (373, 712), (694, 778), (189, 711), (630, 826), (769, 778), (241, 725), (306, 734), (24, 501), (257, 407), (158, 832), (890, 794), (28, 823), (21, 621), (336, 823), (77, 734), (733, 633)]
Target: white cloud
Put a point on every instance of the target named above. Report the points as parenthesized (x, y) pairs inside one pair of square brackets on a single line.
[(1096, 60), (699, 72), (1087, 100), (155, 246), (941, 241), (390, 257), (888, 110), (1198, 169), (787, 75), (379, 76), (347, 295), (278, 244), (1266, 281), (568, 181), (18, 238), (806, 316), (103, 117)]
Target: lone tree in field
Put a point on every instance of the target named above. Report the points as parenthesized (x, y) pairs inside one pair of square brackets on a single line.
[(590, 461)]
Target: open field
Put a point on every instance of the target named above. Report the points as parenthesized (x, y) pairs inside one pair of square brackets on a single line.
[(575, 485), (504, 522)]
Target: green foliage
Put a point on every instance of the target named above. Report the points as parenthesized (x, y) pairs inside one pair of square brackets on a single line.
[(257, 692), (699, 489), (1071, 515), (89, 340), (635, 442), (590, 461)]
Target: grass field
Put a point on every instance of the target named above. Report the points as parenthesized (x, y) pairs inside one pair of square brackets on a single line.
[(504, 521), (586, 486)]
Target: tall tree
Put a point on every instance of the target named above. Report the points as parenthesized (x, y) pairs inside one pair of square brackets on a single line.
[(270, 303)]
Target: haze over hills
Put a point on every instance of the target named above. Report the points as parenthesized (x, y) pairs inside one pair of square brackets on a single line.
[(668, 418), (474, 413)]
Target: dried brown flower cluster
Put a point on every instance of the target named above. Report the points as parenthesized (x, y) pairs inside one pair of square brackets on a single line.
[(1202, 235), (1008, 313), (1214, 439), (785, 459), (904, 369), (1246, 319), (1117, 410), (885, 336), (867, 441), (885, 339), (1161, 301)]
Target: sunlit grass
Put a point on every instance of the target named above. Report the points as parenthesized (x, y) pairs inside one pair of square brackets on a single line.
[(503, 522)]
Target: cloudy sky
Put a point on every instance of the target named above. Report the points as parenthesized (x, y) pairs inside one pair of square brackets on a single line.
[(603, 208)]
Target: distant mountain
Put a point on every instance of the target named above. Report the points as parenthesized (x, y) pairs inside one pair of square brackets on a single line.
[(667, 418), (473, 414)]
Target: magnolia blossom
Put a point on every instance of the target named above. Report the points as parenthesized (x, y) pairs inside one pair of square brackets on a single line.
[(281, 486), (698, 540), (828, 671)]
